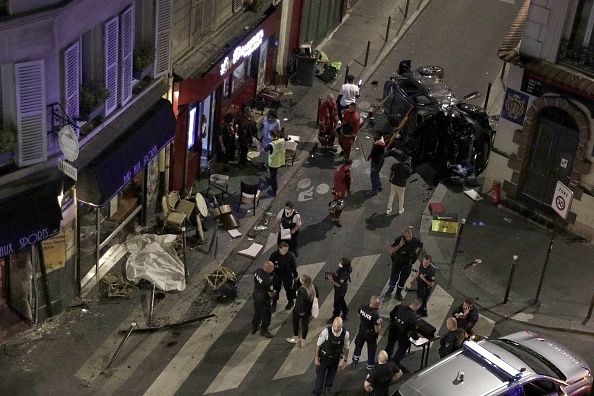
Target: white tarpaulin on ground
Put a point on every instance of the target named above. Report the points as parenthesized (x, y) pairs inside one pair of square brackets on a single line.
[(152, 257)]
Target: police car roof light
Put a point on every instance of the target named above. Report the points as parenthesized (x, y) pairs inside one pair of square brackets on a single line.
[(493, 360)]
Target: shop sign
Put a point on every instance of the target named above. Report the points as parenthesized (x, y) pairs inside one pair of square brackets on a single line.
[(153, 152), (243, 51), (68, 169), (25, 241)]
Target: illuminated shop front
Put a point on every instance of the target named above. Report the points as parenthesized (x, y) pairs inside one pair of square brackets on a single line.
[(225, 86)]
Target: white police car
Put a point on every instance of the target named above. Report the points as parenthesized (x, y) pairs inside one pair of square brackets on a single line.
[(520, 364)]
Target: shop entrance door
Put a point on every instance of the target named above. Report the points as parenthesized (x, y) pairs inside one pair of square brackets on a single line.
[(20, 276), (551, 158), (319, 18)]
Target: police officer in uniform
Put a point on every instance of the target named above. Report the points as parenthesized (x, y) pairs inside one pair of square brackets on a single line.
[(332, 345), (285, 274), (403, 326), (369, 329), (290, 222), (404, 252), (377, 382), (340, 280), (263, 293), (425, 282)]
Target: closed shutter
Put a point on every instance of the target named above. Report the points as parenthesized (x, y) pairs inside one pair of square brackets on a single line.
[(31, 117), (198, 18), (127, 36), (237, 5), (163, 37), (209, 15), (72, 80), (111, 64)]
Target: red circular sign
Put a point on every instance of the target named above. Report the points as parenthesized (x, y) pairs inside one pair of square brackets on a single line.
[(560, 202)]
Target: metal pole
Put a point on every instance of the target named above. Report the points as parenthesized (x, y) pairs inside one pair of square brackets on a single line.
[(451, 272), (589, 311), (367, 53), (346, 74), (388, 28), (117, 352), (546, 263), (318, 115), (503, 70), (152, 306), (487, 96), (186, 272), (509, 281), (406, 9)]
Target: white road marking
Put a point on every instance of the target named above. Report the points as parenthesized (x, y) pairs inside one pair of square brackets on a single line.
[(300, 359), (242, 361)]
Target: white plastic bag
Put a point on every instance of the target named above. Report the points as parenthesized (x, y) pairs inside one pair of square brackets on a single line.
[(315, 308)]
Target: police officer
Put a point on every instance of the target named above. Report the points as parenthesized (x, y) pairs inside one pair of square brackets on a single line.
[(290, 223), (332, 345), (285, 274), (425, 282), (263, 292), (340, 280), (403, 326), (377, 382), (467, 316), (404, 251), (369, 329)]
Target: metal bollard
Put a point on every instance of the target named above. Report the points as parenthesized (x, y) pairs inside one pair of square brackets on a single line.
[(451, 273), (388, 28), (346, 74), (589, 311), (318, 115), (152, 306), (406, 9), (487, 96), (367, 53), (509, 281), (186, 272)]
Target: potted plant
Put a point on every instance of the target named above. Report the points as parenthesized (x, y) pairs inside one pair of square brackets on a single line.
[(92, 100), (144, 56), (8, 143)]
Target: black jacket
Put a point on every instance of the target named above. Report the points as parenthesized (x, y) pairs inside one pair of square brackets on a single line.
[(450, 342), (284, 266), (469, 321), (404, 322), (399, 174), (302, 303)]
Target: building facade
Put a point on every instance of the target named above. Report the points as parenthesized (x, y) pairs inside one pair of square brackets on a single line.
[(84, 138), (544, 133)]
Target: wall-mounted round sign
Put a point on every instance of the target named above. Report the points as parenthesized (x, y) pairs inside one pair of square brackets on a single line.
[(69, 143)]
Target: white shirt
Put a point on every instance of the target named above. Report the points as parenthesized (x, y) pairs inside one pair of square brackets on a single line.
[(349, 94), (324, 336)]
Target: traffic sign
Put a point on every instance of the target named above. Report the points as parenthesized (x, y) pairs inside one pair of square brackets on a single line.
[(562, 199)]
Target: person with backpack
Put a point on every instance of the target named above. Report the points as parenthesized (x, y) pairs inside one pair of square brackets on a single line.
[(290, 224), (332, 348), (403, 326), (340, 280), (302, 312)]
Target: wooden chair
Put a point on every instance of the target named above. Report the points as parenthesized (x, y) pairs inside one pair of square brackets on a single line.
[(290, 151), (250, 194)]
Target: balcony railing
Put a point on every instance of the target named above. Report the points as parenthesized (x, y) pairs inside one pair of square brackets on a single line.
[(576, 55)]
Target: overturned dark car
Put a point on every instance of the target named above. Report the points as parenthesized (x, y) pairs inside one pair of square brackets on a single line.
[(434, 127)]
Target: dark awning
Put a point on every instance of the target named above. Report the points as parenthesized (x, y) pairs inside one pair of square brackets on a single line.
[(29, 218), (124, 157)]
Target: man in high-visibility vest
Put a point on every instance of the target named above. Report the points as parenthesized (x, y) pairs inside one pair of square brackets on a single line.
[(276, 158)]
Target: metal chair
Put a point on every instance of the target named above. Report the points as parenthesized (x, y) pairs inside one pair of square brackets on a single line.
[(250, 194), (216, 180), (170, 216)]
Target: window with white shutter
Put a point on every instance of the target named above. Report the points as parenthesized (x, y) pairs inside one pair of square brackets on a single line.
[(197, 19), (31, 113), (163, 24), (209, 15), (72, 80), (237, 5), (111, 35), (127, 48)]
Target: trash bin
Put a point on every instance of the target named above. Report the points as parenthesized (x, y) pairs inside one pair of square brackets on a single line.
[(306, 70)]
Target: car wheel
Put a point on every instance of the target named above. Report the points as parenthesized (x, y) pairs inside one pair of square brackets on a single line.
[(474, 111), (431, 71)]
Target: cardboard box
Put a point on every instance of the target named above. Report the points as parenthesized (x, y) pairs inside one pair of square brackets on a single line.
[(445, 222)]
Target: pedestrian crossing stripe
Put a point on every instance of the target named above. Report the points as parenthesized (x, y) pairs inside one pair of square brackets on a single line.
[(234, 372), (300, 359)]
